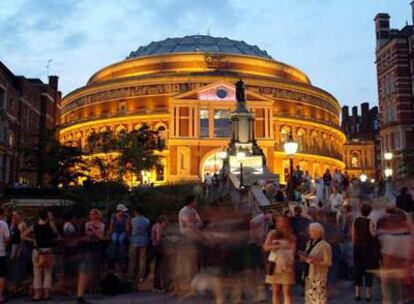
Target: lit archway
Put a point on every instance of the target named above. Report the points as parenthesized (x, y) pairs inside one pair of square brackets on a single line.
[(211, 163)]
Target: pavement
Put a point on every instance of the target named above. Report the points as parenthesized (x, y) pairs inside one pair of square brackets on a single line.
[(340, 293)]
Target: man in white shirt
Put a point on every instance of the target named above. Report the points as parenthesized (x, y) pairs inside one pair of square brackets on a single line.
[(4, 239), (188, 218), (259, 226), (336, 200), (190, 223)]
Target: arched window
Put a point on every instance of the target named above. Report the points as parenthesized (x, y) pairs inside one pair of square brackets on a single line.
[(301, 140), (284, 134), (78, 140), (355, 162), (120, 129), (314, 141)]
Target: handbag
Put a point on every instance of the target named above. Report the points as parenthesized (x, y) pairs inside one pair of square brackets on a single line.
[(270, 268)]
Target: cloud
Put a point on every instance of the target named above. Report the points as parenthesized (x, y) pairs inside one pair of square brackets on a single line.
[(331, 41)]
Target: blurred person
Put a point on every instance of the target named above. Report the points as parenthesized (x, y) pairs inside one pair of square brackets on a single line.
[(307, 181), (317, 258), (345, 223), (4, 240), (18, 254), (208, 182), (259, 226), (365, 252), (71, 251), (320, 192), (158, 251), (44, 239), (337, 179), (118, 235), (334, 237), (300, 225), (138, 229), (404, 200), (90, 262), (281, 279), (297, 176), (336, 200), (312, 212), (345, 181), (280, 196), (190, 223), (395, 237), (327, 180)]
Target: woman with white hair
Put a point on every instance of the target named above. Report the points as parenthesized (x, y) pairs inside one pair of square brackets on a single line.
[(318, 259)]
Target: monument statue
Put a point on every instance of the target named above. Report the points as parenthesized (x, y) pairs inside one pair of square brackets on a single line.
[(241, 97), (240, 91)]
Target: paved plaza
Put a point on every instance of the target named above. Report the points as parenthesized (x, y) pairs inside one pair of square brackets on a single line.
[(341, 293)]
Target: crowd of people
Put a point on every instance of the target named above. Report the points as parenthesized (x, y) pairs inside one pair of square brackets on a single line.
[(328, 234)]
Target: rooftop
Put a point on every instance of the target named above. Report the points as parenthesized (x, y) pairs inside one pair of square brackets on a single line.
[(199, 43)]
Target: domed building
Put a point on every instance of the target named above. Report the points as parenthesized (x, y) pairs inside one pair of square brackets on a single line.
[(185, 89)]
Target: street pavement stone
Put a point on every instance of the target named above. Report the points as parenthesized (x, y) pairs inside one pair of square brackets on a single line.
[(340, 293)]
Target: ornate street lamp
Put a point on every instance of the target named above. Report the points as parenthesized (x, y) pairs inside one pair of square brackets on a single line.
[(290, 147), (388, 156), (388, 173), (240, 157), (222, 155)]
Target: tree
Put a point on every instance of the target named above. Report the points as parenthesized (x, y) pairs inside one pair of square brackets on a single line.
[(137, 152), (102, 149), (113, 156), (54, 163)]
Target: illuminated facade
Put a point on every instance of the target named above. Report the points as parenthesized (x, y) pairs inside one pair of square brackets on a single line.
[(184, 87), (362, 151)]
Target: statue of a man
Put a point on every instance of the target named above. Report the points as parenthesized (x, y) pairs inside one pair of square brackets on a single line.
[(240, 91)]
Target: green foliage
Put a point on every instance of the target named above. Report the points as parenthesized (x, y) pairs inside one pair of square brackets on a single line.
[(154, 201), (115, 155), (94, 195), (54, 163)]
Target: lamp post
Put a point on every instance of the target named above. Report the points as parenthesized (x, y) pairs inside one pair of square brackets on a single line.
[(222, 155), (290, 147), (240, 157), (388, 156)]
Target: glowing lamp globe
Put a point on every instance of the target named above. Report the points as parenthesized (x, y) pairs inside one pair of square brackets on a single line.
[(388, 155), (388, 172), (222, 154), (363, 177), (240, 156), (290, 147)]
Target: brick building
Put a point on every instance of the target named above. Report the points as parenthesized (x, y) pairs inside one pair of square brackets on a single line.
[(395, 75), (28, 107), (362, 152)]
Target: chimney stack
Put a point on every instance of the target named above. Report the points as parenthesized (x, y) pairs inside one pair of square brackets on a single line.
[(345, 116), (53, 82), (412, 11), (382, 28), (354, 120)]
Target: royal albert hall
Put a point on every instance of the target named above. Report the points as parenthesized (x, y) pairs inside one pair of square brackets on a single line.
[(185, 89)]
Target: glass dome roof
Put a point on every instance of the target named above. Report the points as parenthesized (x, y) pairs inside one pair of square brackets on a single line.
[(199, 43)]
